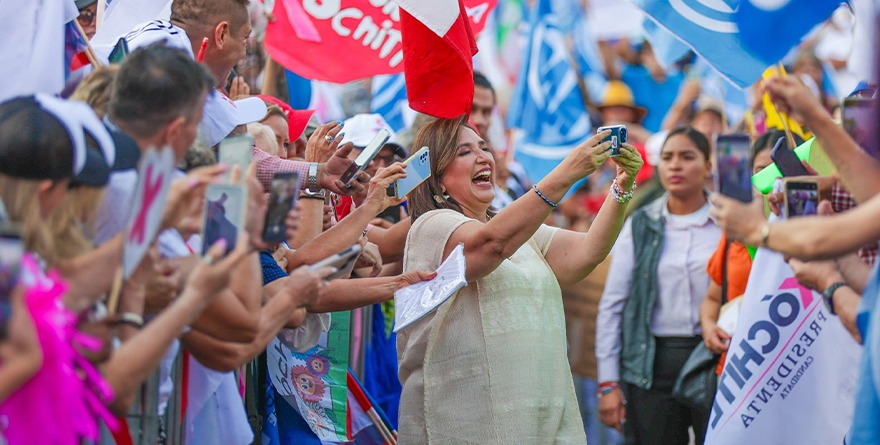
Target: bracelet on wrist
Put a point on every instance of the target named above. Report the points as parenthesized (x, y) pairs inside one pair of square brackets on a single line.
[(619, 195), (765, 234), (546, 199), (132, 319), (606, 388)]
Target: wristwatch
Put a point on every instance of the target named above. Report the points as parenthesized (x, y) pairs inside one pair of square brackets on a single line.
[(313, 194), (829, 293), (312, 183)]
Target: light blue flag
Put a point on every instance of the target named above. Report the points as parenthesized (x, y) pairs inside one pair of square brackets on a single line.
[(710, 29), (547, 104), (666, 46), (769, 29), (389, 98)]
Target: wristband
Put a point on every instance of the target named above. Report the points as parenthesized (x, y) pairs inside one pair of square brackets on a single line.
[(132, 319), (765, 233), (546, 199), (828, 294), (606, 388)]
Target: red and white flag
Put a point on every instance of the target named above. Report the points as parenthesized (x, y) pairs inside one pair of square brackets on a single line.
[(438, 50)]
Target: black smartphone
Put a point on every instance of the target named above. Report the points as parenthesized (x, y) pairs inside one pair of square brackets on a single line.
[(282, 198), (860, 121), (786, 161), (367, 154), (733, 166), (801, 198), (11, 251)]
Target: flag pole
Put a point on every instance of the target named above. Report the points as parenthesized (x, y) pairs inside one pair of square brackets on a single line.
[(782, 116), (90, 53)]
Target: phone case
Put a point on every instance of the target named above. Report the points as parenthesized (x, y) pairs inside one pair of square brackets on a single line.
[(236, 151), (280, 203), (418, 169), (223, 215)]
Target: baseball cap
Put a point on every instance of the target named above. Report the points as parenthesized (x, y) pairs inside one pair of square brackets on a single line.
[(222, 115), (361, 128), (80, 4), (44, 137), (297, 120)]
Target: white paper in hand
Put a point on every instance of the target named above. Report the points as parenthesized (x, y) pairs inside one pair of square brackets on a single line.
[(414, 302)]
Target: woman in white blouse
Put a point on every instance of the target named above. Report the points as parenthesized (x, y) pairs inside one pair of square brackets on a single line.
[(649, 321)]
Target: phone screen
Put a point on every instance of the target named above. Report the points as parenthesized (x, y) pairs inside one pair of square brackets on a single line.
[(238, 151), (860, 121), (369, 152), (283, 196), (223, 216), (801, 199), (11, 251), (786, 160), (733, 166)]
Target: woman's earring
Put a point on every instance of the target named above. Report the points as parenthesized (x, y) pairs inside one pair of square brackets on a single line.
[(439, 199)]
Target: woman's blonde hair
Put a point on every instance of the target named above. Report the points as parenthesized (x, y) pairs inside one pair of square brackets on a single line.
[(441, 138), (71, 225), (263, 134), (96, 87), (21, 199)]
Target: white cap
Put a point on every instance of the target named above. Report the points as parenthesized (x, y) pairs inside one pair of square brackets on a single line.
[(222, 115), (361, 128)]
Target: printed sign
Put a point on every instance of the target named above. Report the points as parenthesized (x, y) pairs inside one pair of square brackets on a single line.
[(155, 174)]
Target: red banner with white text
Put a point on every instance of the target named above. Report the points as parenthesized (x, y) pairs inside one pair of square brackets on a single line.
[(344, 40)]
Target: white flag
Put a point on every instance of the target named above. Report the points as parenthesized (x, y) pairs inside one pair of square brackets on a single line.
[(790, 373)]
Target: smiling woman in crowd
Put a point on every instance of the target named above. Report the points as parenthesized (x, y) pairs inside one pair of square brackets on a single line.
[(490, 365)]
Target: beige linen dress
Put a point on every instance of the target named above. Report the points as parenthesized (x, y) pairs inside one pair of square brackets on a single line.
[(489, 366)]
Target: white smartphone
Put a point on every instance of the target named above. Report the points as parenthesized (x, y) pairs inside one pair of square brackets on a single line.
[(418, 169), (369, 152), (342, 261), (238, 151)]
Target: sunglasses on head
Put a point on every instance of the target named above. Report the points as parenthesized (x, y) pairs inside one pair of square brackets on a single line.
[(86, 17)]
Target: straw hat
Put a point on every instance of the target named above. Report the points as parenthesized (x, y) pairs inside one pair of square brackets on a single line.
[(618, 94)]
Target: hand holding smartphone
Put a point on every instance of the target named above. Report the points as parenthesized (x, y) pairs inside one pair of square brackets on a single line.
[(282, 198), (418, 169), (786, 160), (342, 261), (733, 166), (366, 156)]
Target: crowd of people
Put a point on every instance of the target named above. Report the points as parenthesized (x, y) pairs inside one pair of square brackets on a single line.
[(587, 290)]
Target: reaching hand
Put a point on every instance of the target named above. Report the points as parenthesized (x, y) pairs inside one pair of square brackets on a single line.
[(239, 88), (370, 257), (587, 157), (791, 96), (212, 274), (335, 167), (324, 142), (416, 276), (629, 162), (740, 221), (377, 192)]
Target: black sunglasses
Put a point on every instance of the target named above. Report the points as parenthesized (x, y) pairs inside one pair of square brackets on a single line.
[(86, 17)]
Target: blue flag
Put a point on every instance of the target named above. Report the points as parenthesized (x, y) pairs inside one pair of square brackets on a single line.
[(666, 46), (770, 29), (710, 29), (299, 90), (547, 103), (389, 98)]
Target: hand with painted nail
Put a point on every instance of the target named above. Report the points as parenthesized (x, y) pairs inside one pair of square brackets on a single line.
[(186, 197)]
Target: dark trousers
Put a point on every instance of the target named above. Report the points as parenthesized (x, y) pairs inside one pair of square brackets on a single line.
[(653, 417)]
